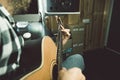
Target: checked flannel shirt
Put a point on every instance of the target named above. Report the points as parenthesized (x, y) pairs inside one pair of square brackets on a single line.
[(10, 47)]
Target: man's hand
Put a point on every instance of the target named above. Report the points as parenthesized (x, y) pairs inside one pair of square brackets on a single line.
[(71, 74), (65, 34)]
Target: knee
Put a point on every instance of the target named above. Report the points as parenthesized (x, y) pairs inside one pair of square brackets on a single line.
[(77, 57)]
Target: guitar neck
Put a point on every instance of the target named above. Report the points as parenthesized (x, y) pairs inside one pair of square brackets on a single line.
[(59, 50)]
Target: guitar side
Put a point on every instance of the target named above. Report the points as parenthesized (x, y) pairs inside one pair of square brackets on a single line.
[(49, 54)]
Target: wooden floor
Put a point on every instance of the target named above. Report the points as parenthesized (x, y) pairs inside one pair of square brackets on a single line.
[(102, 64)]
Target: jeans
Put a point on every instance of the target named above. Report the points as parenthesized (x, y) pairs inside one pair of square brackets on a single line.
[(75, 60)]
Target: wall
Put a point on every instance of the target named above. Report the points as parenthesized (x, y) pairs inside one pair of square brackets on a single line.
[(96, 12)]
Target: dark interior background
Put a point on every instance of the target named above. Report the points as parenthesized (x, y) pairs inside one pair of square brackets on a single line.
[(114, 38), (104, 64)]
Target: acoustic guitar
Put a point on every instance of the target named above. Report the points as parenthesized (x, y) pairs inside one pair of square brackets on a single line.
[(45, 70), (51, 58)]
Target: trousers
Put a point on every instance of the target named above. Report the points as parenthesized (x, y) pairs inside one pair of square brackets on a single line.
[(75, 60)]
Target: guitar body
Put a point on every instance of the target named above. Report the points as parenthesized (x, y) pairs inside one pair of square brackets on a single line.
[(49, 54)]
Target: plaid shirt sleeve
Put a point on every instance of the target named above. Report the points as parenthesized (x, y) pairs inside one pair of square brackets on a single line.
[(10, 47)]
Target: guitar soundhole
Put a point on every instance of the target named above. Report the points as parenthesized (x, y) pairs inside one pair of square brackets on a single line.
[(55, 72)]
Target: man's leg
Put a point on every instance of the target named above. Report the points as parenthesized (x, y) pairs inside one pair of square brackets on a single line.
[(75, 60)]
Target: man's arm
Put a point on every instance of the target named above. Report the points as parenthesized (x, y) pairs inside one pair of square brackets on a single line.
[(71, 74)]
